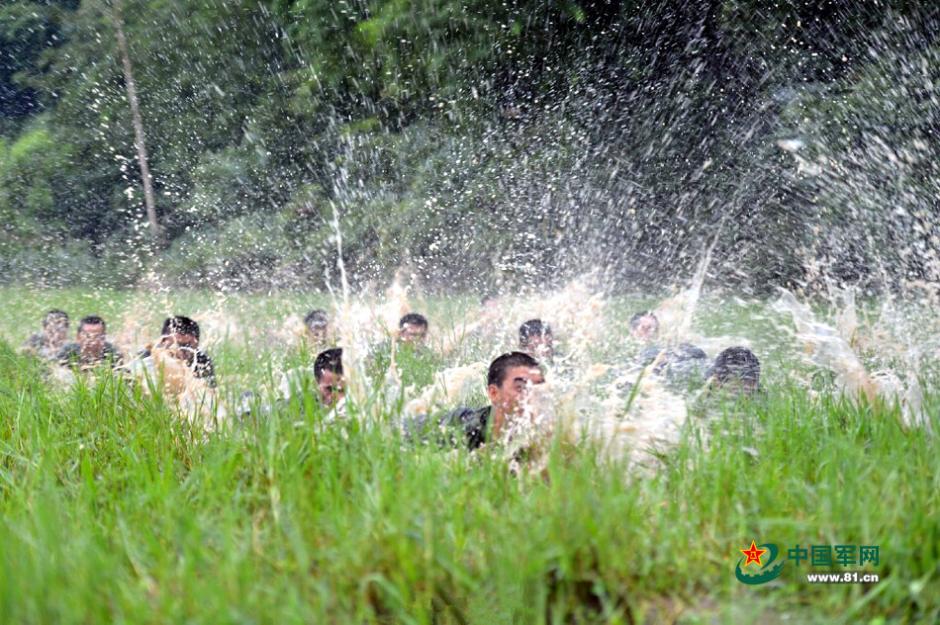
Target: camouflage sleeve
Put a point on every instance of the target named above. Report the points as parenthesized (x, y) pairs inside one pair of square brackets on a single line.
[(115, 355), (446, 430), (465, 427), (33, 344), (649, 354), (414, 428), (204, 368), (68, 354)]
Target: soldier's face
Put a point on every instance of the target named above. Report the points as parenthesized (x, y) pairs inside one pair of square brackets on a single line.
[(91, 338), (541, 346), (186, 340), (56, 330), (413, 333), (182, 346), (737, 385), (509, 397), (332, 387), (317, 333), (646, 328)]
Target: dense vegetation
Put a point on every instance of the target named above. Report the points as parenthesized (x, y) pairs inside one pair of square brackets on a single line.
[(113, 510), (475, 141)]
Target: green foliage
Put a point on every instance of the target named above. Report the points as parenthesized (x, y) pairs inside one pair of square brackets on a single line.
[(491, 140), (31, 180), (27, 28), (112, 508), (390, 52), (874, 186)]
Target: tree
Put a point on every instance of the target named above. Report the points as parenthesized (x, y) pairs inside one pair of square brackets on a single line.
[(27, 29), (140, 137)]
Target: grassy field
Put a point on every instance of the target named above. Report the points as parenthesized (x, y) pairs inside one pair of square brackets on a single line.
[(113, 510)]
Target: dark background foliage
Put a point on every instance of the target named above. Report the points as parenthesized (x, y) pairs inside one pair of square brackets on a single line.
[(478, 143)]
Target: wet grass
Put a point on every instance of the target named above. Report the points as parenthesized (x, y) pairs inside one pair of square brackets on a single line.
[(112, 510)]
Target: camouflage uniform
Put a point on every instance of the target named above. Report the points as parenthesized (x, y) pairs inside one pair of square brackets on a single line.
[(200, 363), (683, 366), (471, 423), (38, 345), (71, 354)]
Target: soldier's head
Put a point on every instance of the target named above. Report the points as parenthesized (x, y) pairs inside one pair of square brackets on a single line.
[(413, 329), (737, 370), (328, 370), (179, 331), (536, 339), (682, 364), (55, 326), (644, 326), (180, 337), (508, 380), (316, 325), (91, 335)]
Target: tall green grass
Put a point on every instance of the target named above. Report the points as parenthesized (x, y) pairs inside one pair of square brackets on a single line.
[(112, 509)]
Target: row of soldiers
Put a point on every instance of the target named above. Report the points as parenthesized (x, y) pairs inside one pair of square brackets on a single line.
[(508, 377), (179, 336), (735, 370)]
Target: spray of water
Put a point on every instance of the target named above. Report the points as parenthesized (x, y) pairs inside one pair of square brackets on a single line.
[(677, 313), (586, 165), (834, 348)]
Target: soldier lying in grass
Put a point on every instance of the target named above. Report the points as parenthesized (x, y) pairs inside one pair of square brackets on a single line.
[(49, 342), (179, 339), (508, 381), (91, 347)]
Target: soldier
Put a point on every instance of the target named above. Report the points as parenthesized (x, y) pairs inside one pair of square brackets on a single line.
[(317, 327), (415, 362), (328, 371), (180, 337), (91, 347), (536, 339), (413, 329), (736, 370), (644, 326), (48, 343), (682, 366), (507, 384)]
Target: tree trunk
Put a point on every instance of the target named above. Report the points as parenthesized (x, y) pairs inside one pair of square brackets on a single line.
[(140, 141)]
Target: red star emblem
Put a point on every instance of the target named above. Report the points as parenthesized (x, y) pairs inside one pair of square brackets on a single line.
[(753, 554)]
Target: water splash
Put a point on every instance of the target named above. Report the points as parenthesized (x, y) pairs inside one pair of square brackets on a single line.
[(627, 411), (677, 313), (349, 324), (451, 387), (833, 347), (192, 397)]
